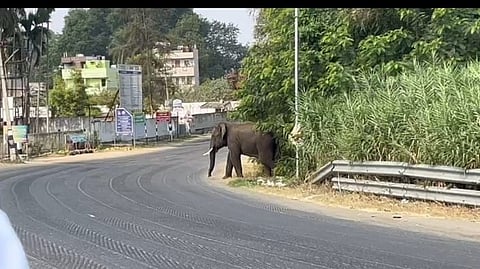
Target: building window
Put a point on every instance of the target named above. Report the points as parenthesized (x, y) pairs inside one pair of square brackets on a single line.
[(189, 80), (177, 63), (177, 81), (104, 82)]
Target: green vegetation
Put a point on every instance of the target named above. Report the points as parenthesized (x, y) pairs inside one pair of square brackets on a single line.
[(428, 115), (243, 182), (129, 35), (124, 36), (70, 101), (25, 32), (365, 97), (376, 84), (209, 91)]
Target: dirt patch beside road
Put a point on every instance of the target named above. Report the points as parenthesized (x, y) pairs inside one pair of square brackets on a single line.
[(429, 217)]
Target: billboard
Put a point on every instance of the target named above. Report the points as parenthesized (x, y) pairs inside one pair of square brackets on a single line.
[(130, 86)]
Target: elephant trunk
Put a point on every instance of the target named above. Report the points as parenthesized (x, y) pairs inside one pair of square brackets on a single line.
[(213, 152)]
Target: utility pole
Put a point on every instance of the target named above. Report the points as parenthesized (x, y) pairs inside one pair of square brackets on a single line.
[(49, 75), (297, 170), (6, 110), (37, 110)]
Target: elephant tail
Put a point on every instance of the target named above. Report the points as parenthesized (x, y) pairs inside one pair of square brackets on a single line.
[(276, 148)]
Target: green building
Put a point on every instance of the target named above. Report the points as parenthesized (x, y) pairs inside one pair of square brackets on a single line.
[(97, 73)]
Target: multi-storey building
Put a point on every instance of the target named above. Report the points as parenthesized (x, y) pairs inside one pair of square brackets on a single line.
[(182, 66), (97, 73)]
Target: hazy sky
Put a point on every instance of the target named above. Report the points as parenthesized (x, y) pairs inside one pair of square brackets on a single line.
[(238, 16)]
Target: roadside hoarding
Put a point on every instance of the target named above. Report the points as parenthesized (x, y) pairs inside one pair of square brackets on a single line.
[(130, 86)]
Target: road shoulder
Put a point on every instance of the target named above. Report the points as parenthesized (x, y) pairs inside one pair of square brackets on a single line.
[(453, 228)]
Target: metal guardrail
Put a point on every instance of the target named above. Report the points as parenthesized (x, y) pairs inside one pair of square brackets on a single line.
[(439, 173), (400, 169), (458, 196)]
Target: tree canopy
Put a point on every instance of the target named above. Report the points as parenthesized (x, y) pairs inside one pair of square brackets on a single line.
[(129, 35), (69, 101), (335, 45), (25, 36), (209, 91)]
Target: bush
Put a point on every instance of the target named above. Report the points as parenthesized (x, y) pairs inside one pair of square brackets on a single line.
[(430, 115)]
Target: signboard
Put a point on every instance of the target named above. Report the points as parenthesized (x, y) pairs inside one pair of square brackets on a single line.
[(177, 103), (11, 109), (19, 133), (38, 92), (123, 121), (138, 117), (130, 86), (163, 116)]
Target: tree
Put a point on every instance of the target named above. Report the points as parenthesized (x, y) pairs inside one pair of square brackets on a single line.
[(103, 98), (335, 45), (141, 28), (69, 101), (217, 42), (209, 91), (58, 98), (136, 32), (86, 31), (80, 100), (35, 31), (24, 38), (135, 41), (222, 39), (75, 38)]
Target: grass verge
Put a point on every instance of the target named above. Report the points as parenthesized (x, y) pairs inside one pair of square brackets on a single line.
[(243, 182), (324, 195)]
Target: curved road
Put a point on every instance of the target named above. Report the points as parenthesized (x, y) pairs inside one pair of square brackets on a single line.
[(158, 211)]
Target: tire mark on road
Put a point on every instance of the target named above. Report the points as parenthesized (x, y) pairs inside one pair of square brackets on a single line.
[(47, 251), (275, 246)]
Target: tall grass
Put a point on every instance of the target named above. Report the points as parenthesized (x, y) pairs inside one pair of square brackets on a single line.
[(430, 114)]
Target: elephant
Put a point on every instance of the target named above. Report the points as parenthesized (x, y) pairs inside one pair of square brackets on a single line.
[(242, 139)]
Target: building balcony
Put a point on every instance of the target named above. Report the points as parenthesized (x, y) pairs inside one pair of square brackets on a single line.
[(182, 72), (180, 55)]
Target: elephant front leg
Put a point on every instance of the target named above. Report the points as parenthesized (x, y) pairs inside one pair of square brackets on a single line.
[(237, 163), (229, 167)]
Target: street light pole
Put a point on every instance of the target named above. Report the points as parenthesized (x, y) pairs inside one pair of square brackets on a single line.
[(49, 75), (297, 170)]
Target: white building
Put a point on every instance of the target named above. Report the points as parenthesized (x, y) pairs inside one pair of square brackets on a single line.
[(182, 67)]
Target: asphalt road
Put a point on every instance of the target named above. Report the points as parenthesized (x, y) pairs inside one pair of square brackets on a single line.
[(158, 211)]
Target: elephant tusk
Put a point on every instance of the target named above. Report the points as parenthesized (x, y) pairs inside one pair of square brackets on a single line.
[(208, 152)]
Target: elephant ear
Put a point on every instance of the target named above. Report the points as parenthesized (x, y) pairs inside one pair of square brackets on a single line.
[(223, 129)]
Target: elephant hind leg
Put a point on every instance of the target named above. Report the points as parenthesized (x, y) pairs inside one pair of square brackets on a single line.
[(268, 163), (267, 170)]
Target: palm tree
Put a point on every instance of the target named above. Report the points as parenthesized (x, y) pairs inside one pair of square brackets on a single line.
[(8, 28), (35, 36), (134, 43), (23, 38), (9, 21)]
